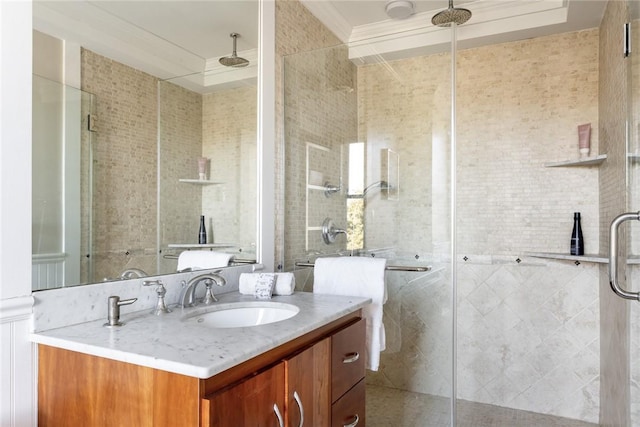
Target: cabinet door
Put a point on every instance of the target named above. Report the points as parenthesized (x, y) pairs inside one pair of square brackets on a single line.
[(307, 386), (251, 402)]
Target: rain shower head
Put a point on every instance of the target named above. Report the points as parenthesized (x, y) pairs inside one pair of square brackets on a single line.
[(234, 60), (451, 15)]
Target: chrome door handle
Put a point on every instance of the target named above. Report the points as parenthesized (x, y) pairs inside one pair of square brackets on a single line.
[(354, 423), (278, 414), (351, 357), (613, 255), (296, 396)]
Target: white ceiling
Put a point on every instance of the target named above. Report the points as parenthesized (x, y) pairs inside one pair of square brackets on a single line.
[(180, 37)]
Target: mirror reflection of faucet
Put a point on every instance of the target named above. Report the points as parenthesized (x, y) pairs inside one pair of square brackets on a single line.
[(330, 189), (330, 231), (132, 273)]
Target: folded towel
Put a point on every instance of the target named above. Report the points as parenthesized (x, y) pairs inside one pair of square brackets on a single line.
[(357, 276), (199, 260), (285, 283)]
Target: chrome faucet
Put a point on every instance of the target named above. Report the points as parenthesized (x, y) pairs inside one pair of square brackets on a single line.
[(132, 273), (187, 296)]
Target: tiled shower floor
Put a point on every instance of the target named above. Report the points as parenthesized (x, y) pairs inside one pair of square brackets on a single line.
[(391, 407)]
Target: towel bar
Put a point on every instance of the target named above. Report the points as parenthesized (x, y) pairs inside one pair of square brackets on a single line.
[(388, 267)]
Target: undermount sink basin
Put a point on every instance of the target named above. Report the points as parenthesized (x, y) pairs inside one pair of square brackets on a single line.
[(244, 314)]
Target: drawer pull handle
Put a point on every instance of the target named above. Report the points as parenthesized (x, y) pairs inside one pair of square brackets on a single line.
[(296, 396), (354, 423), (351, 357), (278, 414)]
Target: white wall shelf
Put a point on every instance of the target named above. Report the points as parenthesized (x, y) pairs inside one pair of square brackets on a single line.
[(589, 161), (200, 182), (316, 187)]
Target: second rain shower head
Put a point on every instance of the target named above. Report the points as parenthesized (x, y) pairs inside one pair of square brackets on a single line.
[(234, 60), (452, 15)]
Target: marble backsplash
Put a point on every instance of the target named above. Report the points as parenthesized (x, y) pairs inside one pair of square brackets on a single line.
[(61, 307)]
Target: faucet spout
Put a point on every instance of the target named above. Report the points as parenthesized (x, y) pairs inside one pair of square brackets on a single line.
[(188, 294)]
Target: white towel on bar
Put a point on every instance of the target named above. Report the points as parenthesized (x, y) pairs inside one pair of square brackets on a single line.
[(285, 283), (363, 277), (199, 260)]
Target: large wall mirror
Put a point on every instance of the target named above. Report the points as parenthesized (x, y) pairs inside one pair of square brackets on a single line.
[(144, 121)]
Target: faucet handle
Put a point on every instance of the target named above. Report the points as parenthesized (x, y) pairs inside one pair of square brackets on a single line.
[(153, 282), (161, 307)]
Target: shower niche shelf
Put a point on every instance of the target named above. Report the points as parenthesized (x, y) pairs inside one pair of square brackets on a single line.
[(560, 256), (200, 181), (589, 161), (598, 259)]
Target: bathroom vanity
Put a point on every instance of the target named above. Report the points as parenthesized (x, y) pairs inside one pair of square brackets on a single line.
[(166, 371)]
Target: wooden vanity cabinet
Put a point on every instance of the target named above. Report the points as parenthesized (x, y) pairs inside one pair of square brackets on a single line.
[(80, 389)]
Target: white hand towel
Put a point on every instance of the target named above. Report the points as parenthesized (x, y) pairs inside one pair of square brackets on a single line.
[(285, 283), (357, 276), (199, 260)]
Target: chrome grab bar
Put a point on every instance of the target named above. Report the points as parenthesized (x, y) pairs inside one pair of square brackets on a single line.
[(388, 267), (613, 255)]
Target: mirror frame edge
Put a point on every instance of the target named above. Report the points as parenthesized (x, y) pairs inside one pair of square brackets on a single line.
[(266, 136)]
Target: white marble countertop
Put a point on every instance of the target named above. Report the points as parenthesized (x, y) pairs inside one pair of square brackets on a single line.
[(170, 344)]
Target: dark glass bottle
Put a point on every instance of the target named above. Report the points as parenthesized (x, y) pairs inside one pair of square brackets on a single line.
[(202, 234), (577, 241)]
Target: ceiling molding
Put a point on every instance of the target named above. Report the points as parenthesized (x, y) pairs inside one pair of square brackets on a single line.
[(492, 21), (109, 36), (430, 40), (483, 11), (330, 17)]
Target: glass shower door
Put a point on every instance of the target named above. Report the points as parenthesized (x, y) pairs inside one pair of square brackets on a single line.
[(633, 187), (368, 147), (621, 403)]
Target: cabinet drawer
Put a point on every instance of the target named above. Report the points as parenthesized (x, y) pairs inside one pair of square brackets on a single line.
[(347, 358), (349, 410)]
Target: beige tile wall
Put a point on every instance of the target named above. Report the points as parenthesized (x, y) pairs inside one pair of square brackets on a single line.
[(220, 126), (125, 157), (297, 30), (229, 141), (181, 146), (519, 106)]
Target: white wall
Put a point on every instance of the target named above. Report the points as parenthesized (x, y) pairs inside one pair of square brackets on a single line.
[(17, 388)]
